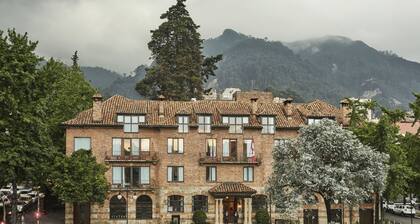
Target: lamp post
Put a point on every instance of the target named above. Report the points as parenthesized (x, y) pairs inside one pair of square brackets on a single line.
[(38, 211), (126, 203)]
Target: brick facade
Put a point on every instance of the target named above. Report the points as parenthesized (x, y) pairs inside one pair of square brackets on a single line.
[(158, 128)]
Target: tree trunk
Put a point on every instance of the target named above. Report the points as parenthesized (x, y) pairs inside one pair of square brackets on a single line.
[(14, 202), (328, 209)]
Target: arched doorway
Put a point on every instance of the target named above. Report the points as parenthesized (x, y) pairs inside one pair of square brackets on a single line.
[(117, 207), (144, 207)]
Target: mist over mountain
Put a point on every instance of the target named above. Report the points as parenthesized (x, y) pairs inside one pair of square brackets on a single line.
[(329, 68)]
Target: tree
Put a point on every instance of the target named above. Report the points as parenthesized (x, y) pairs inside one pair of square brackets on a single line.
[(415, 107), (328, 160), (79, 178), (68, 94), (26, 149), (179, 70), (75, 61), (262, 217), (199, 217)]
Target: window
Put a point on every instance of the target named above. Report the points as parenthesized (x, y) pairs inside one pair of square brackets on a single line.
[(249, 148), (175, 145), (204, 124), (130, 176), (130, 146), (229, 148), (211, 147), (235, 123), (310, 216), (81, 143), (144, 207), (175, 203), (314, 121), (211, 173), (248, 173), (259, 202), (200, 203), (280, 142), (267, 125), (131, 122), (183, 122), (117, 208), (175, 174)]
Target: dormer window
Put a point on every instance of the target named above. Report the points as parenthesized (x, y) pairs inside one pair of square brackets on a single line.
[(204, 124), (235, 123), (267, 123), (131, 122), (183, 122)]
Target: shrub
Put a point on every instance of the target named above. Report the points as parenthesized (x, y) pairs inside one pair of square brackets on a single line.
[(262, 217), (199, 217)]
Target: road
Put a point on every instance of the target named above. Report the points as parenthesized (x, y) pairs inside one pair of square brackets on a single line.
[(52, 217), (401, 219)]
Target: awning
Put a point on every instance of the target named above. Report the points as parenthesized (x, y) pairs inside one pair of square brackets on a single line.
[(232, 189)]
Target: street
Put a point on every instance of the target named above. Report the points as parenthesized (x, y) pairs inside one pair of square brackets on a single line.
[(400, 219), (55, 216)]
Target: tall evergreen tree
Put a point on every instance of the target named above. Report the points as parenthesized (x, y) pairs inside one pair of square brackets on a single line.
[(179, 71), (75, 60)]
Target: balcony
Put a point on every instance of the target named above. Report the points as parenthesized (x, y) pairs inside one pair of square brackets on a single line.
[(238, 159), (135, 187), (145, 157)]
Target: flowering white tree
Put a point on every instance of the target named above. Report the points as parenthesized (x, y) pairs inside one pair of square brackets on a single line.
[(328, 160)]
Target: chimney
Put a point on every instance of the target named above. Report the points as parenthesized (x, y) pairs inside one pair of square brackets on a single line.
[(254, 106), (288, 107), (345, 111), (161, 109), (97, 107)]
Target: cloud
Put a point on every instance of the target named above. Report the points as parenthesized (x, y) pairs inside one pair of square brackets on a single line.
[(114, 34)]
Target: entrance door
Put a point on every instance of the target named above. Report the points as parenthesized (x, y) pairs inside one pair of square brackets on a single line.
[(365, 216), (81, 213), (230, 209)]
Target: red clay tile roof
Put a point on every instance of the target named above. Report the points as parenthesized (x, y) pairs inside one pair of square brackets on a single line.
[(216, 108), (231, 188)]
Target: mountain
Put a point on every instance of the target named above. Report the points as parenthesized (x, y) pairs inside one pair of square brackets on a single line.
[(329, 68), (110, 83)]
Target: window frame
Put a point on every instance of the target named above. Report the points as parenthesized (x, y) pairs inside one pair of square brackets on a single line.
[(131, 180), (209, 174), (144, 210), (170, 202), (171, 180), (122, 146), (204, 127), (183, 122), (131, 127), (246, 177), (267, 127), (236, 123), (81, 137), (204, 203), (171, 150), (209, 152), (120, 210)]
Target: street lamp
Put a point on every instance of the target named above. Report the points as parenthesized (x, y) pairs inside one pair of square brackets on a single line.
[(38, 211), (3, 198), (119, 196)]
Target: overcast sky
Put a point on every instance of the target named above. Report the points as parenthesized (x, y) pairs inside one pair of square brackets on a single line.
[(114, 33)]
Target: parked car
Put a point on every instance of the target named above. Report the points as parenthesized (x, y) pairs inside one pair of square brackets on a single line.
[(404, 210), (390, 207)]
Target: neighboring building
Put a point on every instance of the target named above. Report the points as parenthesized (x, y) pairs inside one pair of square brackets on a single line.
[(168, 159), (228, 93), (407, 126)]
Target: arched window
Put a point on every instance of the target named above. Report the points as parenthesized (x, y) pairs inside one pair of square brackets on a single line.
[(144, 207), (259, 202), (175, 203), (200, 203), (117, 207)]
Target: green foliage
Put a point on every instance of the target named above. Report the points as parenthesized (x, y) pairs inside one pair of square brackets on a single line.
[(262, 217), (68, 94), (24, 141), (199, 217), (79, 178), (415, 107), (383, 136), (179, 70)]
